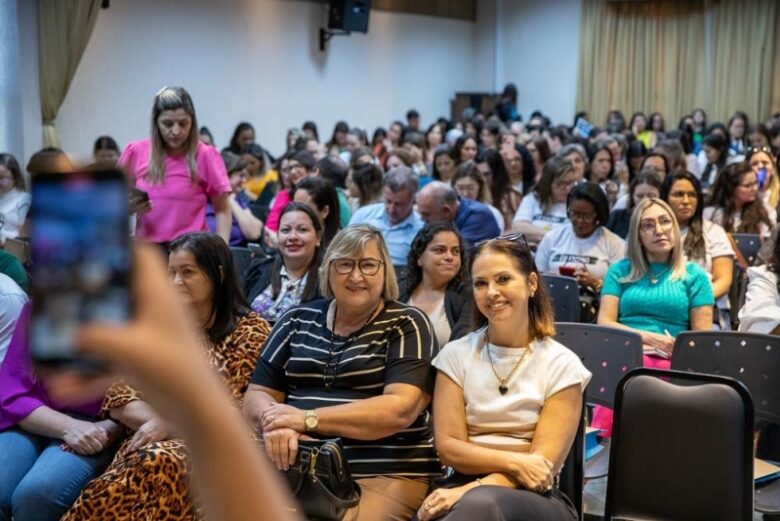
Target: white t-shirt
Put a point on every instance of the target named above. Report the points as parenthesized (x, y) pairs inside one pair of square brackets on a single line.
[(716, 244), (715, 214), (508, 422), (497, 216), (761, 312), (531, 210), (12, 300), (561, 247), (13, 210)]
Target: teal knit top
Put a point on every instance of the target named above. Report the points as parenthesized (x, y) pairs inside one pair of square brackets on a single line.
[(660, 306)]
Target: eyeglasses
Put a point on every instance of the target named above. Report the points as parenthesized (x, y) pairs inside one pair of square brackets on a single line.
[(366, 266), (749, 185), (564, 184), (765, 149), (514, 237), (650, 226), (582, 217)]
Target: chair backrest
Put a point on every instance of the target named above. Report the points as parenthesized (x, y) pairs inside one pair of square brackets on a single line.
[(749, 244), (737, 292), (242, 257), (565, 295), (607, 352), (750, 358), (572, 476), (680, 452)]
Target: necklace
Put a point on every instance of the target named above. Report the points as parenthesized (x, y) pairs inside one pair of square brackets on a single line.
[(502, 381), (655, 276), (330, 379)]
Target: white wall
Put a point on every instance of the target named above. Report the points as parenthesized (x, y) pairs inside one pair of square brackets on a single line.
[(10, 79), (538, 50), (258, 60)]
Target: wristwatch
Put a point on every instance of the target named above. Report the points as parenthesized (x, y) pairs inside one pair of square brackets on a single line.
[(311, 421)]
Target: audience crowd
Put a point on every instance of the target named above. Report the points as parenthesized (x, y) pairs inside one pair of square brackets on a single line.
[(395, 298)]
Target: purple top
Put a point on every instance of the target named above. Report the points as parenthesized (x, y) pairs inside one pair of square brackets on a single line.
[(20, 390)]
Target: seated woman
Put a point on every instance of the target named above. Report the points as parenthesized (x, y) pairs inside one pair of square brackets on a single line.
[(436, 280), (544, 209), (704, 242), (295, 168), (735, 204), (321, 196), (443, 163), (646, 184), (263, 182), (508, 398), (365, 185), (48, 452), (356, 366), (469, 182), (764, 164), (761, 312), (506, 197), (14, 198), (245, 227), (275, 284), (583, 247), (148, 478), (654, 292)]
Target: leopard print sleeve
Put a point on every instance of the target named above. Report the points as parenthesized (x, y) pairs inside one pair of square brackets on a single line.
[(236, 356), (118, 394)]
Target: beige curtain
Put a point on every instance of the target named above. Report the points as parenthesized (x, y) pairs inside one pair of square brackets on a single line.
[(743, 58), (64, 28), (662, 56)]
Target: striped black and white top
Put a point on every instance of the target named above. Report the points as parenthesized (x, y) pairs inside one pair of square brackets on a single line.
[(397, 346)]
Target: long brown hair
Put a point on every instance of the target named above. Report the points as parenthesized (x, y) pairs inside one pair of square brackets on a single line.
[(541, 320), (171, 98), (722, 197)]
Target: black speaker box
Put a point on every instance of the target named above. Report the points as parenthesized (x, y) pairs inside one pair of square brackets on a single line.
[(349, 15)]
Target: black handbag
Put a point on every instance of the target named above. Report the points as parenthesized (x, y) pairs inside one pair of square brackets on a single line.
[(320, 480)]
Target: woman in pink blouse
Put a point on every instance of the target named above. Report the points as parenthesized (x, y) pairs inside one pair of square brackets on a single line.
[(178, 172)]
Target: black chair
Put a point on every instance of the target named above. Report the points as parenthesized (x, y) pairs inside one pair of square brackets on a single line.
[(572, 473), (565, 295), (682, 448), (750, 358), (608, 353), (242, 257), (749, 245), (737, 292)]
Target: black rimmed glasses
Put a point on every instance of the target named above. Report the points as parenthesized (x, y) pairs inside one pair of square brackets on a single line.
[(366, 266), (585, 217)]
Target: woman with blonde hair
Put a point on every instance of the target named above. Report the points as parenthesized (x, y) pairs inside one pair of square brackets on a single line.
[(178, 172), (356, 366), (654, 291)]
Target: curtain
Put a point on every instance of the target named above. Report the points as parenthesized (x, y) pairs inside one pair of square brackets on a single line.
[(64, 28), (672, 57)]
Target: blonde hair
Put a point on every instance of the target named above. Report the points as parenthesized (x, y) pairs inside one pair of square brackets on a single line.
[(350, 243), (635, 251), (171, 98)]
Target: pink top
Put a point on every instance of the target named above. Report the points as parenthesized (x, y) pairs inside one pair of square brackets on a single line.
[(274, 215), (178, 206)]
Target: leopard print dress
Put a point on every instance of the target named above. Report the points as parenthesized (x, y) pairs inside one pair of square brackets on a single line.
[(150, 483)]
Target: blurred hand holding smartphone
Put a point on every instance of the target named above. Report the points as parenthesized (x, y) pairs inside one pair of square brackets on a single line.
[(81, 262)]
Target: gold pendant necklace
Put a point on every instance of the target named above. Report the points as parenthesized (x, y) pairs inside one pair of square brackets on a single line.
[(503, 388)]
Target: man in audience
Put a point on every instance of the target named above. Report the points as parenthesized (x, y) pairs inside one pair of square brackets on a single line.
[(438, 202), (12, 300), (395, 218)]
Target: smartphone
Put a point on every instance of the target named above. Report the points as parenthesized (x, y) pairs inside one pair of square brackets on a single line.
[(81, 260), (761, 176), (567, 270)]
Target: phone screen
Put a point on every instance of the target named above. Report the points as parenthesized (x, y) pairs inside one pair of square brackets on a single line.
[(80, 259)]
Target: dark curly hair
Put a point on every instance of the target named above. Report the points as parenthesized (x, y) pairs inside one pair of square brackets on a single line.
[(420, 243), (722, 197)]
